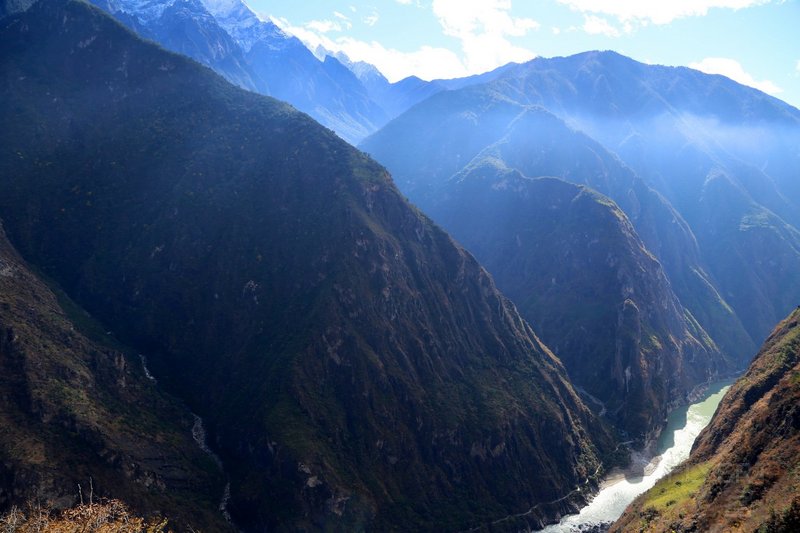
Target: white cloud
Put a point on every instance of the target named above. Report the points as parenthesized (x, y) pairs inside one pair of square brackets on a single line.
[(797, 66), (324, 26), (642, 12), (310, 36), (556, 31), (599, 26), (404, 2), (734, 70), (427, 62), (371, 19), (483, 27), (341, 23)]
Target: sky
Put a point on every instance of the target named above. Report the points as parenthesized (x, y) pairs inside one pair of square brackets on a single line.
[(755, 42)]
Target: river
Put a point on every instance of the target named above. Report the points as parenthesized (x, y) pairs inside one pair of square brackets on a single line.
[(619, 489)]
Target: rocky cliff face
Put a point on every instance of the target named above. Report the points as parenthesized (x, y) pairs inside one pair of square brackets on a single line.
[(355, 366), (708, 202), (578, 271), (257, 55), (79, 414), (742, 474), (458, 137), (186, 27), (689, 135)]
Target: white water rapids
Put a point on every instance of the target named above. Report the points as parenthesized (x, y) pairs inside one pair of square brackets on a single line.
[(619, 489)]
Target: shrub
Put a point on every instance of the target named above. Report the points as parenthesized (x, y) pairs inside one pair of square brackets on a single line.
[(111, 516)]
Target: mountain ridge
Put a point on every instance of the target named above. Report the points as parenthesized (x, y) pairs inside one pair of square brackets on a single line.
[(704, 201), (331, 307), (743, 466), (77, 410), (688, 135), (453, 133), (577, 270)]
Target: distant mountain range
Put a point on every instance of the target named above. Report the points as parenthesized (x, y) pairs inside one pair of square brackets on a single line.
[(724, 155), (667, 145), (256, 55), (353, 99)]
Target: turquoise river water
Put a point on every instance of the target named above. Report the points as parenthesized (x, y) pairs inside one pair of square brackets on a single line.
[(619, 489)]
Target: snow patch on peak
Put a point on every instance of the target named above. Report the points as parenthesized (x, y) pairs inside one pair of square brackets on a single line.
[(144, 10), (242, 23), (223, 7), (362, 70)]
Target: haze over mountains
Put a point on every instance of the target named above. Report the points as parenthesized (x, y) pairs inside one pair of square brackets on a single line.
[(357, 369), (578, 271), (355, 366), (255, 54), (689, 190)]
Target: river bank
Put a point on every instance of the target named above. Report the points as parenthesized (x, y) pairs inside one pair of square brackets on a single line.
[(621, 486)]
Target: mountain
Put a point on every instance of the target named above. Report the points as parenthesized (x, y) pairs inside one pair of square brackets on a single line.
[(452, 133), (578, 271), (356, 368), (742, 472), (186, 27), (256, 55), (352, 98), (448, 130), (395, 98), (690, 136), (326, 90), (79, 414), (672, 147)]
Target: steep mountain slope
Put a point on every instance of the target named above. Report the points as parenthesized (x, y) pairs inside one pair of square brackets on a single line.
[(395, 98), (744, 470), (451, 134), (326, 90), (578, 272), (9, 7), (79, 412), (356, 367), (184, 26), (436, 139), (724, 155), (228, 37)]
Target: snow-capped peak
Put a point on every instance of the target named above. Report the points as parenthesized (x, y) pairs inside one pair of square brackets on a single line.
[(144, 10), (222, 8), (242, 23)]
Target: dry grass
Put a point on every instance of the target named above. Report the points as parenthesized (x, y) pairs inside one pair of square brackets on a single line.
[(110, 516)]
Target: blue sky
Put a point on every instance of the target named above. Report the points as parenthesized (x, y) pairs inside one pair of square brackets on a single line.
[(755, 42)]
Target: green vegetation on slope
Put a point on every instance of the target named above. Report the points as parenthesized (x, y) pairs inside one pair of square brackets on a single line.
[(577, 270), (744, 469), (76, 409), (356, 368), (675, 489)]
